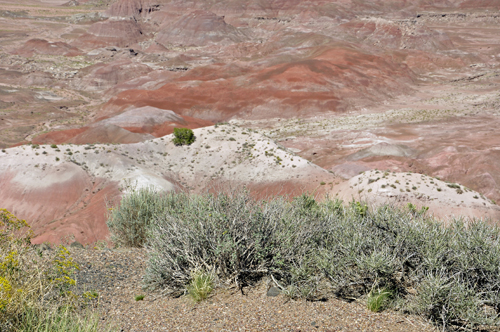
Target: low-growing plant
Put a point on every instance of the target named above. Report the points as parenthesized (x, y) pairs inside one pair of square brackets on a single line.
[(201, 285), (139, 297), (378, 299), (359, 208), (90, 295), (62, 319), (414, 210), (236, 236)]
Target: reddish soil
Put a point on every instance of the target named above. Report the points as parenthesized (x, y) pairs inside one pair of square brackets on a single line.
[(58, 137), (350, 86), (132, 126), (123, 33), (167, 128), (199, 28), (67, 202), (323, 83), (41, 46)]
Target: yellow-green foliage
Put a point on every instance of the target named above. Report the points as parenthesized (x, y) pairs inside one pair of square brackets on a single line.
[(14, 239), (13, 230), (201, 285), (64, 267), (29, 279)]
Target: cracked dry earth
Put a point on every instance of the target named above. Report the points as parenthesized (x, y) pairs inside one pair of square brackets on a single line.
[(116, 276)]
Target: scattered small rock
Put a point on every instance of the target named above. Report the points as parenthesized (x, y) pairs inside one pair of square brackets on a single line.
[(77, 245), (42, 246), (273, 291)]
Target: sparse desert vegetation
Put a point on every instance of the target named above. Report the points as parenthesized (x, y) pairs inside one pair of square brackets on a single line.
[(365, 134), (397, 258)]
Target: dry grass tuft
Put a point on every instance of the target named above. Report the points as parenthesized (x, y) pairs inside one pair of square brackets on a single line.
[(201, 285)]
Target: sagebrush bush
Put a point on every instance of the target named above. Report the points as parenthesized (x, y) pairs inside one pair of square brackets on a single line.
[(129, 222), (316, 250), (183, 136), (232, 234)]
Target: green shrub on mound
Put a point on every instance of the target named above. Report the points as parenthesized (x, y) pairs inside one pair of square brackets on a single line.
[(316, 250), (183, 136)]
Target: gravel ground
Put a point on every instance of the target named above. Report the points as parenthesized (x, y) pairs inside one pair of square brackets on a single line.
[(116, 276)]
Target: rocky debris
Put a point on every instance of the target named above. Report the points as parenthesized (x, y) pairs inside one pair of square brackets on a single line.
[(115, 276), (273, 291), (86, 18), (109, 271)]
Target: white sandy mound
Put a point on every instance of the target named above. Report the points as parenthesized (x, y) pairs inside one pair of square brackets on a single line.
[(443, 199), (226, 152), (63, 189)]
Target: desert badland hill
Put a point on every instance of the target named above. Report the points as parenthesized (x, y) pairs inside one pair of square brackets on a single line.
[(387, 100)]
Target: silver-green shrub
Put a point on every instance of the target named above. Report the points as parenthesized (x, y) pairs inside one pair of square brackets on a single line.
[(240, 238), (129, 222), (448, 273)]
